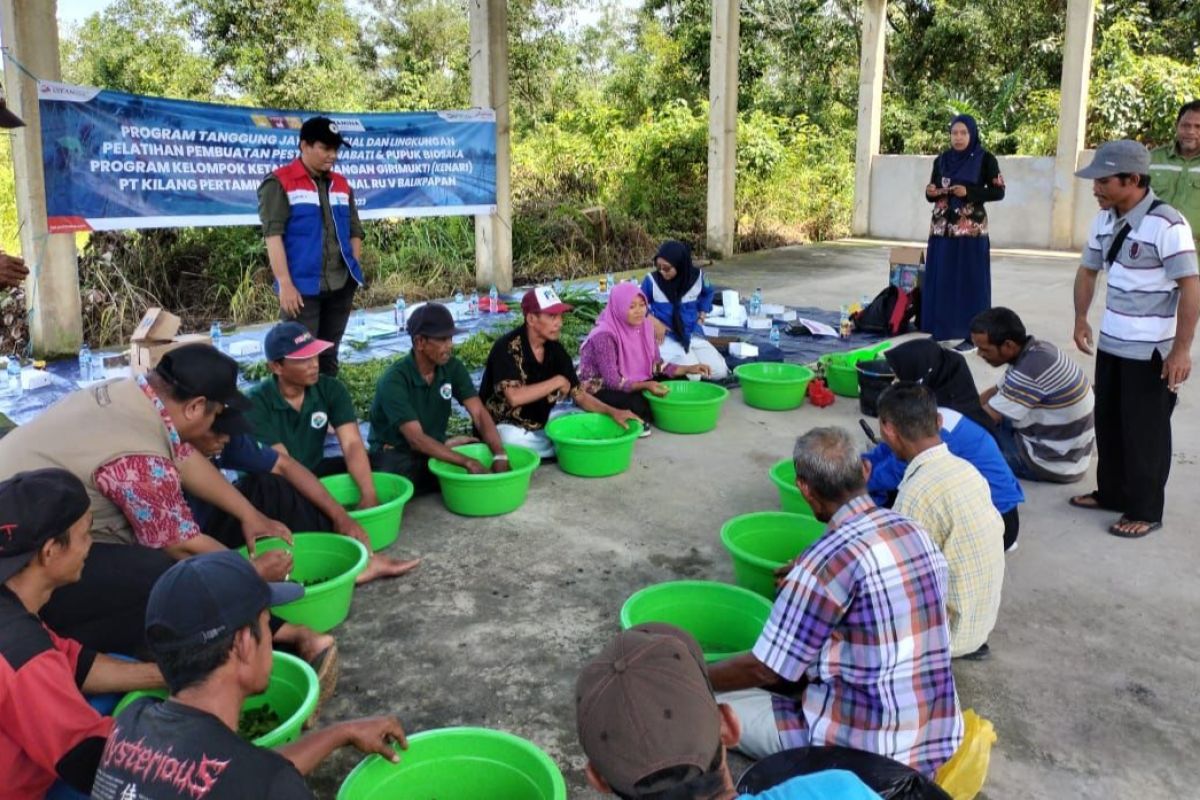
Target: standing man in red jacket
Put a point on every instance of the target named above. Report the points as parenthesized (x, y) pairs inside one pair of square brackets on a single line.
[(314, 237)]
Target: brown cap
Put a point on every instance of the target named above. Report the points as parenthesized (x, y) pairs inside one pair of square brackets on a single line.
[(644, 705)]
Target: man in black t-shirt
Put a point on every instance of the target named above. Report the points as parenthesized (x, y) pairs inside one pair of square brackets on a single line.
[(206, 623), (529, 371)]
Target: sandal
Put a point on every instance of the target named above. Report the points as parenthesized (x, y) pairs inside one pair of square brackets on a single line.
[(1088, 501), (1147, 528)]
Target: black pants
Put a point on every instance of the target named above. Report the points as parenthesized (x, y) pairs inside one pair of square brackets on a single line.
[(106, 609), (325, 315), (275, 498), (1012, 526), (630, 401), (1133, 436)]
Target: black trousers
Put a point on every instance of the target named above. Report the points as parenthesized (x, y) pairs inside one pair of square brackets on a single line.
[(275, 498), (325, 315), (1012, 526), (1133, 436), (630, 401), (106, 609)]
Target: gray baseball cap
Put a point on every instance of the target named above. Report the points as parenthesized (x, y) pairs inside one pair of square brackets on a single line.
[(1123, 156)]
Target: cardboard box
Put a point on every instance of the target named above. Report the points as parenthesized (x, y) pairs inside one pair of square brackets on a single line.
[(906, 267), (157, 325), (145, 355)]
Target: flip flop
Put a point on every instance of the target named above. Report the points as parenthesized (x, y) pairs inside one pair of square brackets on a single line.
[(1077, 501), (1115, 528)]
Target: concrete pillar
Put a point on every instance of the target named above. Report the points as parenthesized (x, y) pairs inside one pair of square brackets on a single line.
[(489, 89), (722, 126), (30, 37), (1072, 121), (870, 110)]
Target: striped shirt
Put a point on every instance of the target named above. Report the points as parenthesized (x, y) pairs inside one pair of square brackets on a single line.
[(862, 619), (1049, 400), (1139, 313), (950, 499)]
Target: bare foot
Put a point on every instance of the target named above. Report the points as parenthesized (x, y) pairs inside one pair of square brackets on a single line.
[(381, 566)]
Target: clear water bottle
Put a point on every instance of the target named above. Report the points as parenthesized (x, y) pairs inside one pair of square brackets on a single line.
[(756, 303), (98, 372), (473, 304), (214, 333), (13, 371), (400, 312), (85, 363), (558, 285), (493, 300), (458, 304), (360, 325), (773, 336), (611, 283)]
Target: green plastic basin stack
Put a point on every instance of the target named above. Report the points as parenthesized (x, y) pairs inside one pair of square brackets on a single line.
[(592, 445), (725, 619), (689, 407), (327, 563), (841, 369), (764, 541), (382, 523), (490, 494), (292, 694), (773, 387), (458, 764), (783, 475)]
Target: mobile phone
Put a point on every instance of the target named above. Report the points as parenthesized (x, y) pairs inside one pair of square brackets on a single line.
[(866, 428)]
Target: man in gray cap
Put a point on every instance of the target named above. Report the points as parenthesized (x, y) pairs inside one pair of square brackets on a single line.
[(1153, 302)]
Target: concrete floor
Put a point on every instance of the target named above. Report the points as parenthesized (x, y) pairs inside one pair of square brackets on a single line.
[(1093, 684)]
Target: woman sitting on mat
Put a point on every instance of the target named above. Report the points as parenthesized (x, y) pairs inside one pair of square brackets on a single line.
[(679, 300), (620, 357)]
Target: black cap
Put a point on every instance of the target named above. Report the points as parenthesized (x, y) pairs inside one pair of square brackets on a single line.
[(432, 320), (7, 118), (208, 596), (35, 507), (232, 422), (323, 130), (201, 370)]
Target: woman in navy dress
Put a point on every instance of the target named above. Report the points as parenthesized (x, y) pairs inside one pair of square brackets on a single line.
[(958, 264)]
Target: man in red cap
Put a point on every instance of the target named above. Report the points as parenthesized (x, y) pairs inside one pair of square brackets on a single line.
[(529, 371)]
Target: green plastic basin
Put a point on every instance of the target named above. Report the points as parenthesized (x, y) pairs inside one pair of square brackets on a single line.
[(773, 387), (841, 374), (490, 494), (764, 541), (330, 558), (689, 407), (458, 764), (783, 475), (725, 619), (382, 523), (292, 694), (592, 445)]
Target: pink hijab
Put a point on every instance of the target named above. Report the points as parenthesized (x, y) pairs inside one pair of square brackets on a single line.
[(637, 352)]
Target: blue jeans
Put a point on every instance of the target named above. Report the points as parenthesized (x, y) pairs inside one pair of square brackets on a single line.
[(1010, 448)]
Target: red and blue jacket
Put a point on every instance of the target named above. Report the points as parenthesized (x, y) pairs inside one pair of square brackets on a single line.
[(303, 239)]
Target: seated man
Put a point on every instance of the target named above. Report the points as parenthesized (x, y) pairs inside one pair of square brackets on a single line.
[(650, 726), (207, 627), (131, 443), (283, 489), (47, 728), (948, 497), (412, 405), (529, 371), (1044, 402), (859, 628)]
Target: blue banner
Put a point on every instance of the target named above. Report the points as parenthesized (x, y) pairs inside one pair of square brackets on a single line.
[(116, 161)]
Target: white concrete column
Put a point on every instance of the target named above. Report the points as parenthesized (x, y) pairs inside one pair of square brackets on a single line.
[(870, 110), (489, 89), (30, 37), (1072, 120), (722, 126)]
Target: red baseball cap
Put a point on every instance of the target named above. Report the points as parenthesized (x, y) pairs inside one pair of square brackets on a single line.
[(543, 300)]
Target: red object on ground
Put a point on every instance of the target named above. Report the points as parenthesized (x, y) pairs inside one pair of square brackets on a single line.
[(485, 304), (819, 394)]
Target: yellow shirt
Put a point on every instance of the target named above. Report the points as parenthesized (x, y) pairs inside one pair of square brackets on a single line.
[(950, 499)]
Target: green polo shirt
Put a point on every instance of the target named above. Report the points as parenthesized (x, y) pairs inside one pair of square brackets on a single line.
[(301, 432), (1176, 181), (402, 395)]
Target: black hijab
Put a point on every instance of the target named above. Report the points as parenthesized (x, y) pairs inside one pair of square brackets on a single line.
[(944, 372), (678, 255)]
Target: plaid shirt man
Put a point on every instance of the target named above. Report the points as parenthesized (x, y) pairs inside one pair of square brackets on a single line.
[(861, 621), (951, 500)]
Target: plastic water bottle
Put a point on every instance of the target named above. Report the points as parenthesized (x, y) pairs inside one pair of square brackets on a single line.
[(493, 300), (400, 312), (458, 304), (360, 325), (85, 363), (558, 285), (473, 304), (611, 283), (13, 371), (756, 303), (773, 336), (98, 373), (214, 333)]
